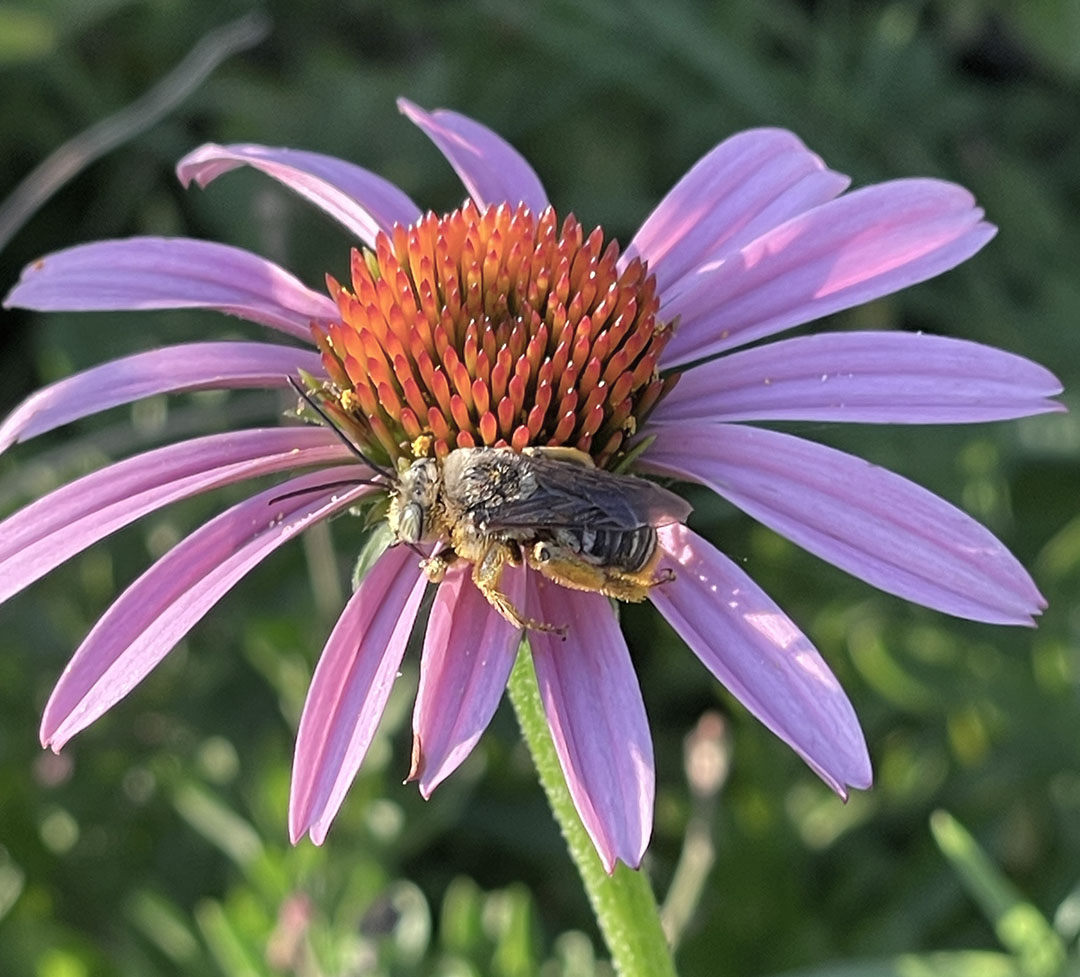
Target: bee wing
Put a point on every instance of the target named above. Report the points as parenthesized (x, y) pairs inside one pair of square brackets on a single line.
[(567, 494)]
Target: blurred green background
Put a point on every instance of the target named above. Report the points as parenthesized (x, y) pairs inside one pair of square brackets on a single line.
[(156, 843)]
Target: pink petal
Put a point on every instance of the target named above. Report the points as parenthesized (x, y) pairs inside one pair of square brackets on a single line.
[(879, 377), (349, 690), (44, 534), (156, 611), (171, 369), (170, 273), (864, 519), (363, 202), (848, 251), (468, 653), (762, 658), (597, 718), (491, 169), (744, 187)]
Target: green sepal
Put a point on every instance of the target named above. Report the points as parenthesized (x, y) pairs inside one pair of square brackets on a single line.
[(374, 510), (633, 454), (379, 539)]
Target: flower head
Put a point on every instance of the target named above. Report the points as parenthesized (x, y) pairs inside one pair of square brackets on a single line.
[(494, 328), (498, 325)]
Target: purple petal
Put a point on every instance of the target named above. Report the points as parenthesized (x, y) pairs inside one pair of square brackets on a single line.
[(170, 273), (848, 251), (597, 718), (171, 369), (469, 650), (47, 532), (878, 377), (156, 611), (363, 202), (864, 519), (762, 658), (491, 169), (744, 187), (349, 690)]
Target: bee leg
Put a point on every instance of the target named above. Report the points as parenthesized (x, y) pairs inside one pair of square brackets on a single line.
[(487, 572), (435, 567), (664, 576), (567, 568)]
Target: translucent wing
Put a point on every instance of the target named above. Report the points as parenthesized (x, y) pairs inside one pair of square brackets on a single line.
[(572, 495)]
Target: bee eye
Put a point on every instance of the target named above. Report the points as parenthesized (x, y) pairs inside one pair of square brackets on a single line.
[(411, 523), (542, 553)]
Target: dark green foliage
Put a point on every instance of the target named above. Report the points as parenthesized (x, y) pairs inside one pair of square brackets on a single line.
[(156, 844)]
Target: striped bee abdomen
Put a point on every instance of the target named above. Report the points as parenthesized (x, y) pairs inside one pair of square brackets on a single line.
[(628, 550)]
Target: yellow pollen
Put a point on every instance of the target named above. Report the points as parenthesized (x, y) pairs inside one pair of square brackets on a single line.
[(494, 328)]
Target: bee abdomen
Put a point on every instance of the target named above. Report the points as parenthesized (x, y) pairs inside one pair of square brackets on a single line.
[(628, 550)]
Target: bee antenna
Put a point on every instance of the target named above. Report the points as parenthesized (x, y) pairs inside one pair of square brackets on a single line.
[(308, 399), (323, 488)]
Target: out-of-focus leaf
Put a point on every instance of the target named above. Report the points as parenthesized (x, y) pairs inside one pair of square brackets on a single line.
[(1021, 928), (1061, 555), (1051, 28), (460, 926), (575, 956), (881, 668), (399, 920), (1067, 915), (25, 35)]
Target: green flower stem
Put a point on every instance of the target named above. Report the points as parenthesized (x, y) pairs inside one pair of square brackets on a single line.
[(624, 903)]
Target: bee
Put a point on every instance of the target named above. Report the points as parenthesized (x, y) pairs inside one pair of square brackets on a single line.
[(548, 507)]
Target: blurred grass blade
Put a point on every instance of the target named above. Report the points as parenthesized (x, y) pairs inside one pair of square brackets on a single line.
[(78, 153), (12, 882), (513, 955), (218, 824), (164, 925), (963, 963), (228, 949), (1020, 927)]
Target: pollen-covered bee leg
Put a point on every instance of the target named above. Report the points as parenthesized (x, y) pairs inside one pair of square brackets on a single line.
[(435, 566), (568, 569), (487, 573)]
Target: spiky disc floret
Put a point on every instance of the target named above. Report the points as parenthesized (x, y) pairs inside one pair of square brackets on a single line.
[(494, 328)]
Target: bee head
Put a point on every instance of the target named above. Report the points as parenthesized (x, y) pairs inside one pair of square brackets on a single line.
[(414, 501)]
